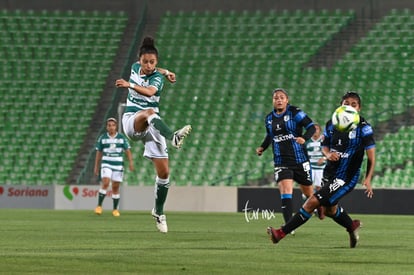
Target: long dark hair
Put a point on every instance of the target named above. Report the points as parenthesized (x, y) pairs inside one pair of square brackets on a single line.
[(148, 46)]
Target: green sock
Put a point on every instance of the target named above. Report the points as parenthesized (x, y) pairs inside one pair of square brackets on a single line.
[(162, 127), (115, 199), (160, 198), (101, 197)]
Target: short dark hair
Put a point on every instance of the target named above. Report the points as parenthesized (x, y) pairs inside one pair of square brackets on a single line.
[(280, 90), (352, 95), (112, 119)]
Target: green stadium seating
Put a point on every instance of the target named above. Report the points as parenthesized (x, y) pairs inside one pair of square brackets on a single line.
[(227, 63), (213, 55), (56, 62)]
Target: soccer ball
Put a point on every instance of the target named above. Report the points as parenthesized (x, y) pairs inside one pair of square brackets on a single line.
[(345, 118)]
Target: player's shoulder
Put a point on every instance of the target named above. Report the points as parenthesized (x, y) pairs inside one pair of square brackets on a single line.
[(157, 79), (269, 115), (102, 136), (365, 126), (120, 135), (294, 109), (136, 66)]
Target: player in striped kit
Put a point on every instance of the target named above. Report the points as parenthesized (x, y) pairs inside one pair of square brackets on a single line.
[(317, 161), (344, 152), (284, 130), (109, 162), (142, 122)]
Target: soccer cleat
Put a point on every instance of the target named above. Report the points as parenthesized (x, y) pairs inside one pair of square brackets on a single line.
[(353, 233), (179, 135), (116, 213), (275, 234), (98, 210), (161, 221)]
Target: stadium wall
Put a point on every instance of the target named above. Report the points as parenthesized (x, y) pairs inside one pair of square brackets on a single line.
[(194, 199), (385, 201)]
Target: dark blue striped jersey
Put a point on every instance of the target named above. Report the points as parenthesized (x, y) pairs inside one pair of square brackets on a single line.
[(282, 131), (350, 146)]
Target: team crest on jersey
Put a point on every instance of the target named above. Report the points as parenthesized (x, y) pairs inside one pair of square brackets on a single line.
[(352, 134), (286, 118)]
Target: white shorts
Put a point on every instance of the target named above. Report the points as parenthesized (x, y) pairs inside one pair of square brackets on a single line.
[(154, 143), (317, 177), (116, 176)]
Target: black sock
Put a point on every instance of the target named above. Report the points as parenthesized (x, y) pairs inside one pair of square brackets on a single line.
[(101, 197), (297, 220), (342, 218), (287, 209)]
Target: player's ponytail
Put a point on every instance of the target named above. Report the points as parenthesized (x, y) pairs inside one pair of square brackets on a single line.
[(148, 46)]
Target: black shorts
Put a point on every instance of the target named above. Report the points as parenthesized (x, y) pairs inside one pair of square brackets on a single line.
[(335, 189), (300, 173)]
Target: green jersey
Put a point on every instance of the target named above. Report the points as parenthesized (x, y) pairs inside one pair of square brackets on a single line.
[(314, 150), (136, 101), (112, 149)]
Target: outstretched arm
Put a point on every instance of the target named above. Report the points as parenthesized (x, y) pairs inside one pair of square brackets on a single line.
[(146, 91), (370, 172), (169, 75), (266, 142)]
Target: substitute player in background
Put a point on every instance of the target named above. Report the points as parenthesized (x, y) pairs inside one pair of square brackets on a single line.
[(109, 161), (317, 161), (284, 130), (344, 152), (142, 122)]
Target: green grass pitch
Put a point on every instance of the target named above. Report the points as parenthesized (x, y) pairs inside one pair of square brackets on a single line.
[(79, 242)]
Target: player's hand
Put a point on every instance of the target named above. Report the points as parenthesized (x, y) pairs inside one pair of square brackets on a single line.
[(368, 191), (131, 167), (259, 151), (121, 83), (321, 161), (333, 156), (300, 140), (171, 77)]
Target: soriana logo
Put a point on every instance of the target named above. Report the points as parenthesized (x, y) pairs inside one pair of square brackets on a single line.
[(70, 192), (24, 192)]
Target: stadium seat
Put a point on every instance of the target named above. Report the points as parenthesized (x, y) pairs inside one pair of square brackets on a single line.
[(278, 43), (46, 40)]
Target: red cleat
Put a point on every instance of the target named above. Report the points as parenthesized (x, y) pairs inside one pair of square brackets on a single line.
[(353, 233), (275, 234)]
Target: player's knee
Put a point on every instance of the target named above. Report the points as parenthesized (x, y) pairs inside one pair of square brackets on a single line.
[(311, 203), (163, 173), (115, 187), (105, 182)]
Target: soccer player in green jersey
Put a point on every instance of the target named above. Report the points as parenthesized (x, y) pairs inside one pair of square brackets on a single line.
[(109, 162), (142, 122), (317, 161)]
